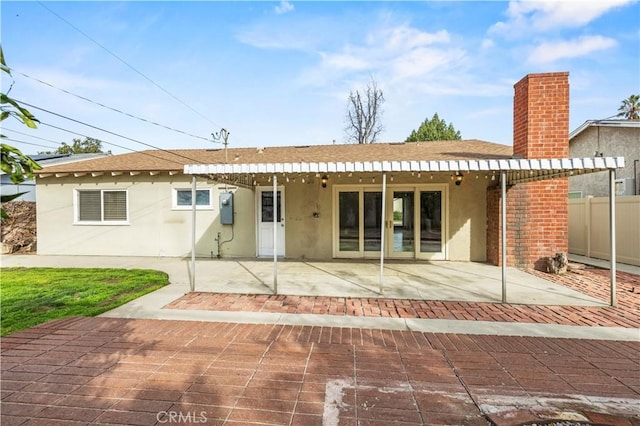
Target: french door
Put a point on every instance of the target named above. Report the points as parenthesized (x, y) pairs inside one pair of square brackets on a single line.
[(414, 225)]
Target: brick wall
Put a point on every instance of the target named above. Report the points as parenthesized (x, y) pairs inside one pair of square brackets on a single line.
[(537, 212)]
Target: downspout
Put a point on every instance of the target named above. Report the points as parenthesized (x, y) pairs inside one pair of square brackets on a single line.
[(636, 186)]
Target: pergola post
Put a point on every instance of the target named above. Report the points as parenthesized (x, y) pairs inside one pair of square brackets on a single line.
[(503, 232), (383, 230), (192, 281), (612, 233), (275, 234)]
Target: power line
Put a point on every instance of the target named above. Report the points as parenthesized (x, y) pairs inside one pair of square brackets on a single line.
[(27, 143), (127, 64), (111, 108), (112, 144), (32, 136), (105, 130)]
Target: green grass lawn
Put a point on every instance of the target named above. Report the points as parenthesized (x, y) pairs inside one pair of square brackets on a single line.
[(31, 296)]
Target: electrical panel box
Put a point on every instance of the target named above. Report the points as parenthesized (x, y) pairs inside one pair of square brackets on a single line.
[(624, 186), (226, 208)]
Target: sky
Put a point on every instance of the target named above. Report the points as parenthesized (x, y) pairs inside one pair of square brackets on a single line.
[(280, 73)]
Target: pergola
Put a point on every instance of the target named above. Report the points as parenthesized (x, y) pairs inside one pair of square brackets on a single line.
[(508, 171)]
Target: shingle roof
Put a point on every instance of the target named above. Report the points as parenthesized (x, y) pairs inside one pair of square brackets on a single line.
[(175, 160)]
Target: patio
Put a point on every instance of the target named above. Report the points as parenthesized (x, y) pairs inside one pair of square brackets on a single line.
[(442, 280)]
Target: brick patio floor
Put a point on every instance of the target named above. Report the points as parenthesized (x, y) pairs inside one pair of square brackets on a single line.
[(145, 372), (593, 282)]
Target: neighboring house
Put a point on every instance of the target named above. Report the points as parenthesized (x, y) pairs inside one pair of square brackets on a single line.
[(608, 138), (427, 200), (7, 187)]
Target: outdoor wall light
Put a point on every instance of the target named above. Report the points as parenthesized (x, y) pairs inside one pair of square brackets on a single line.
[(325, 178), (458, 178)]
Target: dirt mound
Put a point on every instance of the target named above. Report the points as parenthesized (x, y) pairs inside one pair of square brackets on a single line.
[(19, 230)]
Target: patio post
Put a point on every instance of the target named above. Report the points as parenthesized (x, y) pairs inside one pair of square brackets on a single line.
[(503, 232), (192, 281), (382, 231), (275, 234), (612, 232)]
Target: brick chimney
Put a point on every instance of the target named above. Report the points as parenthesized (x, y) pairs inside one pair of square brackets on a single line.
[(537, 212), (541, 116)]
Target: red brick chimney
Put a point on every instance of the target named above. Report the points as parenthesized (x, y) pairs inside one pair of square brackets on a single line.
[(537, 212), (541, 116)]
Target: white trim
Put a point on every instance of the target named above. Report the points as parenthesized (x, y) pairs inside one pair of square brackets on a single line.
[(102, 222), (629, 124), (416, 188), (174, 199), (539, 169)]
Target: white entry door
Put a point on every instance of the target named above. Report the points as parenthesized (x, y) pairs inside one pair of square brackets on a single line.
[(265, 222)]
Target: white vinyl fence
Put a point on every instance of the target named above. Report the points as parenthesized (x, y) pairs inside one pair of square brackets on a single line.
[(589, 228)]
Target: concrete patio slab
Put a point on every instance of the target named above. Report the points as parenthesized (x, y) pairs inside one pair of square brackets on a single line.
[(459, 281), (439, 280)]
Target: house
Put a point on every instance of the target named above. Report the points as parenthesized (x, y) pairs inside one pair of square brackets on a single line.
[(7, 187), (450, 200), (606, 138)]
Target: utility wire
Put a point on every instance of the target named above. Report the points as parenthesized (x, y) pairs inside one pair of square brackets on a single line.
[(77, 134), (111, 108), (27, 143), (106, 131), (127, 64), (112, 144), (32, 136)]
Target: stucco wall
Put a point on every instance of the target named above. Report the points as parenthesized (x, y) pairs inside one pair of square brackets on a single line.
[(468, 219), (308, 237), (154, 229), (312, 237), (611, 142)]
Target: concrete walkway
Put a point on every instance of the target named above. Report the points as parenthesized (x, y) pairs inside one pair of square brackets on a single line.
[(604, 264), (452, 280)]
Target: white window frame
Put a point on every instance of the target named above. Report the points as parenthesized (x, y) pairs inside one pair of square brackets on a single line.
[(76, 208), (361, 189), (174, 199)]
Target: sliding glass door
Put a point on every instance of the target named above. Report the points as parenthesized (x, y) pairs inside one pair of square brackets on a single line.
[(413, 226)]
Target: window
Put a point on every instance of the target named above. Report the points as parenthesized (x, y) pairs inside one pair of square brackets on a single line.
[(101, 206), (182, 199), (575, 195)]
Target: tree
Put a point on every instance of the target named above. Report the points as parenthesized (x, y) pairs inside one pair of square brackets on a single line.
[(630, 108), (434, 130), (364, 115), (13, 162), (86, 146)]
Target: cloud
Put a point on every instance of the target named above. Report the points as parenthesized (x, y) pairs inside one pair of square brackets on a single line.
[(398, 53), (283, 7), (487, 43), (552, 51), (524, 17)]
